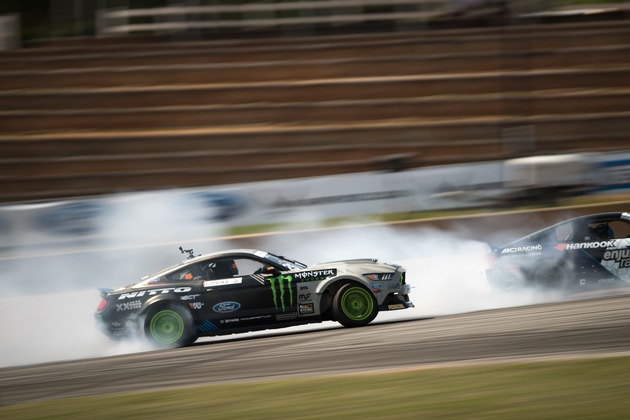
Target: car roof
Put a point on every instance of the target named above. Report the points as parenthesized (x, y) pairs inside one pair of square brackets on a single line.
[(592, 218), (228, 252)]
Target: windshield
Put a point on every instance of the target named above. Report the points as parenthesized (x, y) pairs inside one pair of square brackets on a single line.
[(284, 262)]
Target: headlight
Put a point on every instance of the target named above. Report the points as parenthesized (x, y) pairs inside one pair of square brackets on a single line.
[(380, 276)]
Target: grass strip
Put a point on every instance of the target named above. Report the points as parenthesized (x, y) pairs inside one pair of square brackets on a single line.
[(569, 389), (420, 215)]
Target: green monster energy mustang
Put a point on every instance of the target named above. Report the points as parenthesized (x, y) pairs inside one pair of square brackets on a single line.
[(248, 290)]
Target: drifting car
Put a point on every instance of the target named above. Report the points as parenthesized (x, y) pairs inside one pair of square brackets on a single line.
[(248, 290), (580, 254)]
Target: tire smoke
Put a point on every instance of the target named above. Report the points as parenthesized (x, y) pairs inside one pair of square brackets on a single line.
[(49, 293)]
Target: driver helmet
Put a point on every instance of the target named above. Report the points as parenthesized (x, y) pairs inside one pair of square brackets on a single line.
[(603, 231), (225, 269)]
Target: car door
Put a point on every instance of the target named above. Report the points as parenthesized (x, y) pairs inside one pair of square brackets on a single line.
[(239, 292), (615, 258), (274, 291)]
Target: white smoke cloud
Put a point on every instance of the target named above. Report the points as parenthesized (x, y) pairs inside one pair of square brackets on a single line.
[(445, 270), (49, 295)]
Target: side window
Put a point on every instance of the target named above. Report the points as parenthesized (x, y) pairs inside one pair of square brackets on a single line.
[(564, 232), (187, 273), (247, 267), (582, 232), (620, 229), (601, 231), (228, 268), (220, 269)]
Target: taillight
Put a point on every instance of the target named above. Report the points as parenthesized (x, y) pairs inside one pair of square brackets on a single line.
[(102, 305)]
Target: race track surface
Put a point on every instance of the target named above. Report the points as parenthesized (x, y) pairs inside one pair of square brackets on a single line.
[(573, 328)]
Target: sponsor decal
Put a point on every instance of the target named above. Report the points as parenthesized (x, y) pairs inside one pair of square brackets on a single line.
[(315, 275), (395, 306), (284, 317), (256, 318), (153, 292), (260, 278), (586, 245), (224, 307), (222, 282), (128, 306), (195, 305), (304, 296), (230, 320), (522, 249), (207, 326), (306, 308), (278, 285), (606, 281), (303, 288), (621, 256), (190, 297)]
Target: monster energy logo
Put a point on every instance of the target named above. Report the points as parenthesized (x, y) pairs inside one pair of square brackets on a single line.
[(281, 281)]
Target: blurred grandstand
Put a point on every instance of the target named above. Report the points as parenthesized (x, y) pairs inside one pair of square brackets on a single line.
[(101, 104)]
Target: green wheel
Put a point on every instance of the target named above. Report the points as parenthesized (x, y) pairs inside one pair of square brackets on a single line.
[(354, 305), (169, 327)]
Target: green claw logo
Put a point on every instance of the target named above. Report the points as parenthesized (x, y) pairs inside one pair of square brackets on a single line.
[(281, 282)]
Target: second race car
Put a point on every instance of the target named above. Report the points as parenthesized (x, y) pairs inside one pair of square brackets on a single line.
[(247, 290), (580, 254)]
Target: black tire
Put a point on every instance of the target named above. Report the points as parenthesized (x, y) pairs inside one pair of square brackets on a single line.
[(169, 327), (551, 277), (354, 305)]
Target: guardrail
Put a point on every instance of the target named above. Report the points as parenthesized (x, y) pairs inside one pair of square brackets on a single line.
[(250, 16), (260, 15)]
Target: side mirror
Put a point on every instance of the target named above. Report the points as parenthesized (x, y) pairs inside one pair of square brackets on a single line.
[(272, 270)]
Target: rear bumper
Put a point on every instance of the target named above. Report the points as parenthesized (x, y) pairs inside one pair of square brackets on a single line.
[(115, 330), (504, 280)]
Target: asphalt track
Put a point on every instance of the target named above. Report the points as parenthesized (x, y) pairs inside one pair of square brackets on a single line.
[(566, 329)]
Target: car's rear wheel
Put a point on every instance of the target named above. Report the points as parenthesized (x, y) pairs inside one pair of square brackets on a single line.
[(354, 305), (169, 327), (551, 276)]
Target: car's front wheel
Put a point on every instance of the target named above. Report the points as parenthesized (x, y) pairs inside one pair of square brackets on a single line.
[(169, 327), (354, 305)]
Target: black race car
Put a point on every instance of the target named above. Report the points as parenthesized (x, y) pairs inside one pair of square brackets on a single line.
[(247, 290), (581, 254)]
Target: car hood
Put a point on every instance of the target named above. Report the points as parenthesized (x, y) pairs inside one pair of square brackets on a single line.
[(357, 266)]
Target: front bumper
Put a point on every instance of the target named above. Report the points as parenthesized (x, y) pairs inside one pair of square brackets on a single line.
[(398, 300)]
